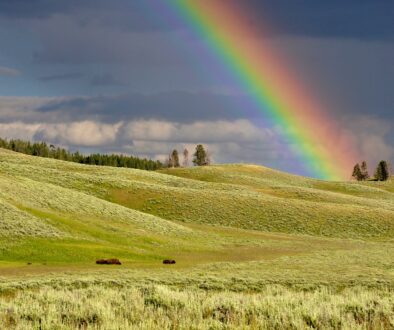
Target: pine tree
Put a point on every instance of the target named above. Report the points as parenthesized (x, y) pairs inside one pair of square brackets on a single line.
[(357, 174), (42, 149), (170, 162), (382, 171), (364, 171), (200, 156), (175, 158)]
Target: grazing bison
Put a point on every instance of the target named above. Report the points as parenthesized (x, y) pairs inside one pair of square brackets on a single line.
[(108, 262), (169, 262)]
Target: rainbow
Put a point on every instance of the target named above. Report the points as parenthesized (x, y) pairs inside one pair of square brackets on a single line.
[(317, 141)]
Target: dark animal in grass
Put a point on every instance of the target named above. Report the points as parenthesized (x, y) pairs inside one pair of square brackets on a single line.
[(169, 262), (108, 262)]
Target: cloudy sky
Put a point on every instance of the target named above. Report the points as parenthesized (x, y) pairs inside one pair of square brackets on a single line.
[(125, 76)]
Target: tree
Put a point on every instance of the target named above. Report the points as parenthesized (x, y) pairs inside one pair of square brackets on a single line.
[(175, 158), (364, 171), (185, 158), (382, 172), (200, 156), (42, 149), (169, 161), (357, 174)]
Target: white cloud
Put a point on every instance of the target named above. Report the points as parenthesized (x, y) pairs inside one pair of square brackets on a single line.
[(18, 130), (227, 140), (241, 130), (85, 133)]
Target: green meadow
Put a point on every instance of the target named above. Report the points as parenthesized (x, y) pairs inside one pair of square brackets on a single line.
[(255, 248)]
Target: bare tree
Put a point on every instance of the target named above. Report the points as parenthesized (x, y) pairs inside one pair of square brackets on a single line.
[(185, 158)]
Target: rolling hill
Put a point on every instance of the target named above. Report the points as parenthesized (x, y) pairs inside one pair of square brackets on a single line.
[(62, 212), (239, 233)]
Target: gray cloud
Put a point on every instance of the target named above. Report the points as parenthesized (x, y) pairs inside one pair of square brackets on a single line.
[(63, 76), (368, 19), (230, 140), (106, 79), (10, 72), (372, 137), (41, 9), (340, 50), (96, 43), (174, 106)]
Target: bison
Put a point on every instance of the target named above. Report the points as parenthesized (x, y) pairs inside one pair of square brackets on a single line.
[(169, 262), (108, 262)]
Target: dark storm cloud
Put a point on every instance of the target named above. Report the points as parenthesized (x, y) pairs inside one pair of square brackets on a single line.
[(34, 8), (345, 75), (362, 19), (173, 106), (341, 50), (106, 79), (136, 15), (45, 8), (64, 76), (65, 41)]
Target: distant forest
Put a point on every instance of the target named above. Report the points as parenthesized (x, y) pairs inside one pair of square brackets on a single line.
[(42, 149)]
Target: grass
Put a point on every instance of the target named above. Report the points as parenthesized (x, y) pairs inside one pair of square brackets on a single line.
[(255, 248), (162, 307)]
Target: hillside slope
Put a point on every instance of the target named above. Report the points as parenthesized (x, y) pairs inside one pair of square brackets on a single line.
[(242, 196), (61, 216)]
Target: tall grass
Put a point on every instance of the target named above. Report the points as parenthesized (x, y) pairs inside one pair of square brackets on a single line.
[(163, 307)]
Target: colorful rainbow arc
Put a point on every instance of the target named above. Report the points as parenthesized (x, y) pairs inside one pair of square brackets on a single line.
[(277, 94)]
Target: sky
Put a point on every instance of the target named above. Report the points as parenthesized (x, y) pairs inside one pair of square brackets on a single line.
[(127, 76)]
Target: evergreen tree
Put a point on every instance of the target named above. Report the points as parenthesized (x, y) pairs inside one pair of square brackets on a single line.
[(200, 156), (357, 174), (364, 171), (175, 158), (41, 149), (382, 171), (170, 162)]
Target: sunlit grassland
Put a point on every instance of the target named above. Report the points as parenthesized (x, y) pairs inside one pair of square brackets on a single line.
[(162, 307), (255, 248)]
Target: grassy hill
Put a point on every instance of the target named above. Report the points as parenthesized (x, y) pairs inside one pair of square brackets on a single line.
[(63, 212), (264, 235)]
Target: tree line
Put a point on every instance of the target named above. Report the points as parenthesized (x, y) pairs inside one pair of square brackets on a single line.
[(42, 149), (382, 172), (201, 157)]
